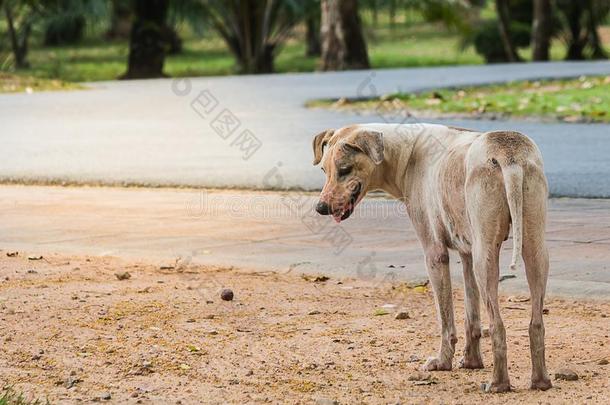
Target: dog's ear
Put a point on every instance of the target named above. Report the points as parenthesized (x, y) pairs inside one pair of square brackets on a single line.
[(369, 143), (319, 142)]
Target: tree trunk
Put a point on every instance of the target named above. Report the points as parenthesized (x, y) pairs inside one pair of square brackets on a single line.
[(504, 26), (343, 45), (541, 30), (598, 51), (18, 45), (120, 23), (576, 46), (313, 35), (148, 40), (392, 13)]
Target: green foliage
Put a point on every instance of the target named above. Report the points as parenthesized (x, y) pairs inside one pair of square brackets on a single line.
[(488, 43)]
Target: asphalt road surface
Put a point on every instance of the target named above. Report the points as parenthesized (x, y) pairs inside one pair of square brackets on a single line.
[(253, 131)]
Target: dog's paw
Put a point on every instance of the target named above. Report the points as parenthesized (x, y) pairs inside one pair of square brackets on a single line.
[(542, 385), (471, 363), (434, 364), (495, 387)]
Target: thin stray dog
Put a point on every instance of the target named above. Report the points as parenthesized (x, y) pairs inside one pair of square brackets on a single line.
[(463, 190)]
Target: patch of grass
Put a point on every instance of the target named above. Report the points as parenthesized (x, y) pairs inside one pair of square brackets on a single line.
[(11, 83), (586, 99), (8, 396), (95, 59)]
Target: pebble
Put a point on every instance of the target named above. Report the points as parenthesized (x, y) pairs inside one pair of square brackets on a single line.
[(71, 381), (106, 396), (226, 295), (326, 401), (420, 376), (314, 312), (566, 374), (402, 315), (122, 275), (602, 362), (414, 358)]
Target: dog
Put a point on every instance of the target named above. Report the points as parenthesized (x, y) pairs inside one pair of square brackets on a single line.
[(464, 190)]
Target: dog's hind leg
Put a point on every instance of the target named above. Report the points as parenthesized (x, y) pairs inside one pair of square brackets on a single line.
[(437, 262), (536, 258), (489, 218), (472, 320)]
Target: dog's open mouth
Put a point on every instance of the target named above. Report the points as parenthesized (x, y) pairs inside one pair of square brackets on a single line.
[(349, 207)]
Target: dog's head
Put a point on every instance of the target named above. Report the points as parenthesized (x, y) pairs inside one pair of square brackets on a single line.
[(350, 160)]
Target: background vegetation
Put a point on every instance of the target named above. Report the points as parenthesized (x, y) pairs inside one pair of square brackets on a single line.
[(76, 41)]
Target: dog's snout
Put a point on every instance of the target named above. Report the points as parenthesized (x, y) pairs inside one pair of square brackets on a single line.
[(322, 208)]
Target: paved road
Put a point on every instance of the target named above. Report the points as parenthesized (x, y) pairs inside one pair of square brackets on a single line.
[(147, 133), (280, 232)]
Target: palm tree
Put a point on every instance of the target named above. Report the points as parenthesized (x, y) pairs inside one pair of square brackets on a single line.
[(254, 30)]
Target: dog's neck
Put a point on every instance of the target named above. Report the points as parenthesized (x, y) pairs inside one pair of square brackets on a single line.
[(397, 174)]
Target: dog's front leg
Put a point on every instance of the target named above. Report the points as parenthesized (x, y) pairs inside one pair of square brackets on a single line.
[(437, 263)]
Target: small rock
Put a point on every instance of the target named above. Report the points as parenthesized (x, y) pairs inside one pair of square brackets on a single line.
[(320, 279), (314, 312), (566, 374), (34, 257), (32, 271), (212, 332), (122, 275), (106, 396), (545, 311), (602, 362), (326, 401), (12, 254), (506, 277), (249, 373), (71, 381), (226, 295), (209, 316), (518, 299), (485, 332), (414, 358), (420, 376), (402, 315)]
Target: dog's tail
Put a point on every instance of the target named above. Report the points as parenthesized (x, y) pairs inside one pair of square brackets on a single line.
[(513, 183)]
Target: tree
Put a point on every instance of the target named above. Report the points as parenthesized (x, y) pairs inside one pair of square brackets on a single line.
[(120, 20), (312, 31), (343, 44), (148, 40), (504, 22), (254, 30), (581, 20), (20, 16), (541, 30), (64, 21)]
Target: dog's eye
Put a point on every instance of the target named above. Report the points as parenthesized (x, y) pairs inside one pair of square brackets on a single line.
[(344, 171)]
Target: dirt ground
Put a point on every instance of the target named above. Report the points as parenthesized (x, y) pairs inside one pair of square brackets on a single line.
[(73, 332)]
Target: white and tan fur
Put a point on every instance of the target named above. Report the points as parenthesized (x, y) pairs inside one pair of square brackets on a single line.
[(463, 190)]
